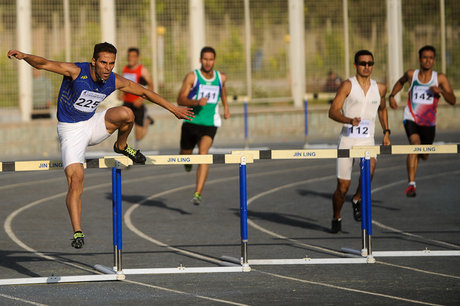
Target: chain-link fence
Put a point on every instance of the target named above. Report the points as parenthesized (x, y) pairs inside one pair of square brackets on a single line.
[(325, 46)]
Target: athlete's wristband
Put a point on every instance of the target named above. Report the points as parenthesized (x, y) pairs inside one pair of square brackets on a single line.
[(387, 130)]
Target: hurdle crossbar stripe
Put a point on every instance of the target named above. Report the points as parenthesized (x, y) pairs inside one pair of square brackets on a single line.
[(111, 161)]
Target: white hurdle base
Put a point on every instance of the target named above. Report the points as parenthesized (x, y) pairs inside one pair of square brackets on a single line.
[(61, 279), (299, 261), (422, 253), (178, 270)]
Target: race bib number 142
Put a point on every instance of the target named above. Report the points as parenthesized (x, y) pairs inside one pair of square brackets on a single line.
[(88, 101)]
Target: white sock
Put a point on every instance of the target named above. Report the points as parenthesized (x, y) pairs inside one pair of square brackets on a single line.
[(412, 183)]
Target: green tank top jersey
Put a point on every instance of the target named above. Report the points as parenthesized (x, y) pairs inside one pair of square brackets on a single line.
[(208, 114)]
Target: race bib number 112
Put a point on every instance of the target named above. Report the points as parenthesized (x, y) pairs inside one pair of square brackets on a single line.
[(360, 131), (88, 101)]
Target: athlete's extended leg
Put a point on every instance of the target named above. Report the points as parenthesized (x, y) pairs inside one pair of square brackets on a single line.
[(75, 175), (204, 145)]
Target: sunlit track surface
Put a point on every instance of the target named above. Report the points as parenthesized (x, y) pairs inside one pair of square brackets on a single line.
[(301, 213)]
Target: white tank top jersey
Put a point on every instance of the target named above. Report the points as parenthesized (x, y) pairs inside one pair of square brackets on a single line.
[(361, 105)]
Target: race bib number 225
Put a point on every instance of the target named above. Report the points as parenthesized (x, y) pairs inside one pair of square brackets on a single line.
[(88, 101)]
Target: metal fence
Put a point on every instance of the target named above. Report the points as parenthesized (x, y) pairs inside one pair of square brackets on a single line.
[(325, 45)]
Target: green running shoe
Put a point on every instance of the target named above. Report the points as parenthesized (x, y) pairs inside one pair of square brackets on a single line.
[(135, 155), (196, 199), (78, 240), (188, 168)]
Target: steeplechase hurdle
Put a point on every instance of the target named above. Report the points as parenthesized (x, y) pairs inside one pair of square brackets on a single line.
[(117, 163)]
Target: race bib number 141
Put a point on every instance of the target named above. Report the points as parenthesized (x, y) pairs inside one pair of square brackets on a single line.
[(88, 101), (209, 91)]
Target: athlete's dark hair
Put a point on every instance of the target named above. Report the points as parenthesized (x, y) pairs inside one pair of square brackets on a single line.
[(426, 48), (207, 49), (133, 49), (361, 53), (103, 47)]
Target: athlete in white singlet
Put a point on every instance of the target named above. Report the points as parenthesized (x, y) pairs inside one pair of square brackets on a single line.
[(358, 102), (420, 112)]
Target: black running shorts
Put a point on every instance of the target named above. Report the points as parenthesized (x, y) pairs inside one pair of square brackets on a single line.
[(192, 133), (139, 113), (426, 133)]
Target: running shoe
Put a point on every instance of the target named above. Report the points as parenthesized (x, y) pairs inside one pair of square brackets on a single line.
[(78, 240), (410, 191), (135, 155), (188, 168), (196, 199), (356, 210), (336, 226)]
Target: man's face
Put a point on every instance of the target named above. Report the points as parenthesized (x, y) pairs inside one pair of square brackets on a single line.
[(104, 64), (364, 65), (133, 58), (207, 61), (427, 59)]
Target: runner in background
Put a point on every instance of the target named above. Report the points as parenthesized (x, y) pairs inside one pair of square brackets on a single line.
[(426, 87), (137, 73), (202, 89)]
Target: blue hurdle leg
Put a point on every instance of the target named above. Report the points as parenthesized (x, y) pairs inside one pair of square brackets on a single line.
[(243, 213), (363, 206), (368, 204), (114, 215), (119, 221)]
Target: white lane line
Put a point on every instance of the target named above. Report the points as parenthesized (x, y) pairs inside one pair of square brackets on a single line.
[(186, 293), (347, 289), (21, 300)]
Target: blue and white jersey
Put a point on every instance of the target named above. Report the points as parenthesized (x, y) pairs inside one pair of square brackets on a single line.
[(78, 99)]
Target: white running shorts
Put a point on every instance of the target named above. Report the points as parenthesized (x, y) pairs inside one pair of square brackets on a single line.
[(345, 165), (76, 137)]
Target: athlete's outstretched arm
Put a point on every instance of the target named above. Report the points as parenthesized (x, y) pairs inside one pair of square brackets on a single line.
[(335, 111), (444, 89), (187, 85), (399, 85), (126, 85), (383, 114), (63, 68)]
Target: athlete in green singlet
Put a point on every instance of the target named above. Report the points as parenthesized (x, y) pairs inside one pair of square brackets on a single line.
[(202, 89)]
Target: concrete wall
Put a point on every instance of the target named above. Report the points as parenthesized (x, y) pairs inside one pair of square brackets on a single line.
[(38, 139)]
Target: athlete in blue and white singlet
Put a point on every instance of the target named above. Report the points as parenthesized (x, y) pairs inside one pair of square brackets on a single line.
[(84, 87)]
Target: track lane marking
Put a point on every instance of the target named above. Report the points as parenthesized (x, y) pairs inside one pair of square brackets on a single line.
[(21, 300)]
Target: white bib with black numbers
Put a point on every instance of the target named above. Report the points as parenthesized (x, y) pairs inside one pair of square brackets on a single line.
[(88, 101), (360, 131), (210, 92), (422, 95)]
